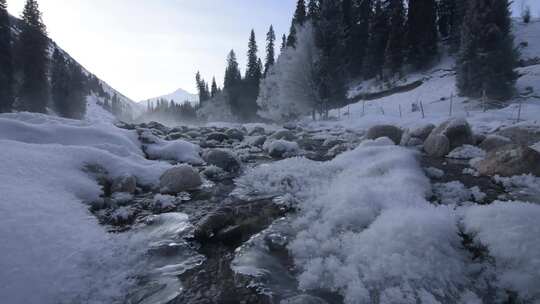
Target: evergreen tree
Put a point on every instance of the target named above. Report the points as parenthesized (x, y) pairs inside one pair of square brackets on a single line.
[(283, 43), (299, 19), (375, 53), (394, 52), (313, 10), (451, 14), (270, 49), (356, 34), (422, 35), (487, 57), (33, 45), (253, 69), (6, 60), (329, 40), (215, 90), (60, 84), (232, 74), (77, 91), (202, 88)]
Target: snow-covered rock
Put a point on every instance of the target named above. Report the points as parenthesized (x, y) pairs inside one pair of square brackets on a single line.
[(392, 132), (493, 142), (457, 132), (178, 150), (281, 148), (178, 179), (223, 159), (509, 161), (126, 183)]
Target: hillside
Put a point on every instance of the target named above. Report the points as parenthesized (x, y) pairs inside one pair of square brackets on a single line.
[(101, 92)]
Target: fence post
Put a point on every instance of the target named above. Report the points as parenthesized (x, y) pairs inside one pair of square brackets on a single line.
[(422, 108), (363, 108), (400, 114), (451, 104), (519, 110)]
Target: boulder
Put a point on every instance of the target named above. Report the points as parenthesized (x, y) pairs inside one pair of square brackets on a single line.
[(290, 126), (193, 134), (174, 136), (178, 179), (392, 132), (494, 142), (284, 134), (126, 183), (510, 160), (522, 135), (281, 148), (422, 132), (457, 132), (257, 141), (257, 131), (437, 145), (235, 134), (223, 159), (217, 136)]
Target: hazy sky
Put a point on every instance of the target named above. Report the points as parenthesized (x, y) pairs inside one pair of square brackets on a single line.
[(146, 48)]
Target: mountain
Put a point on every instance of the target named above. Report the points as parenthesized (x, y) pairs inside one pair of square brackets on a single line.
[(100, 93), (179, 96)]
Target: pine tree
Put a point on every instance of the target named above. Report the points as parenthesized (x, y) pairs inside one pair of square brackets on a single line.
[(487, 57), (298, 20), (77, 91), (329, 40), (395, 50), (60, 84), (422, 35), (33, 45), (313, 10), (253, 69), (6, 60), (378, 38), (270, 49), (283, 43), (215, 90), (356, 34), (232, 74)]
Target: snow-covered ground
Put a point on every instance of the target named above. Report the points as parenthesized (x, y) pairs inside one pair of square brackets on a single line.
[(53, 250)]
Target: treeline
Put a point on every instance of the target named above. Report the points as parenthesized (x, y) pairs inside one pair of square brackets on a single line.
[(333, 43), (169, 111), (36, 76)]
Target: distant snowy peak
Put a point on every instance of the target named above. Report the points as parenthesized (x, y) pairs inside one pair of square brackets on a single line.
[(178, 96)]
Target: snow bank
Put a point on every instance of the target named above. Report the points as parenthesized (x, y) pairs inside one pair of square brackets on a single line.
[(178, 150), (52, 249), (510, 232)]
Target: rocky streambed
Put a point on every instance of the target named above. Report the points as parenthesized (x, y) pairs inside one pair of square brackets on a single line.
[(233, 249)]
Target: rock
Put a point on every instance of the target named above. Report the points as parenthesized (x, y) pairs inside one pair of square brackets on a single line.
[(212, 223), (332, 142), (493, 142), (235, 134), (522, 135), (223, 159), (126, 183), (257, 141), (156, 126), (422, 132), (284, 134), (217, 136), (304, 299), (457, 132), (174, 136), (392, 132), (281, 148), (437, 145), (336, 150), (290, 126), (178, 179), (257, 131), (213, 172), (478, 139), (510, 160), (193, 134)]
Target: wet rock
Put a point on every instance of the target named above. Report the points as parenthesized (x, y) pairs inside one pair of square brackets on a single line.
[(392, 132), (178, 179), (257, 131), (493, 142), (126, 183), (437, 145), (522, 135), (156, 126), (194, 134), (290, 126), (511, 160), (174, 136), (285, 135), (235, 134), (223, 159), (332, 142), (335, 151), (217, 136), (214, 172), (209, 225)]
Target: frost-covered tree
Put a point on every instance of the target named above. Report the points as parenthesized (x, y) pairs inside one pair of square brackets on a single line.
[(6, 60), (32, 51), (487, 57), (422, 37), (299, 18), (290, 89), (270, 49), (313, 10)]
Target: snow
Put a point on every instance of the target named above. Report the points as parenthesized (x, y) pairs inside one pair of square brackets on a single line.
[(53, 250), (467, 152), (95, 113), (510, 232), (178, 150), (284, 147)]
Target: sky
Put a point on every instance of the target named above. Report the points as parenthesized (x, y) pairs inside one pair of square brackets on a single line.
[(149, 48)]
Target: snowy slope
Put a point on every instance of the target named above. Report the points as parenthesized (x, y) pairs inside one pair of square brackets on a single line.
[(178, 96)]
